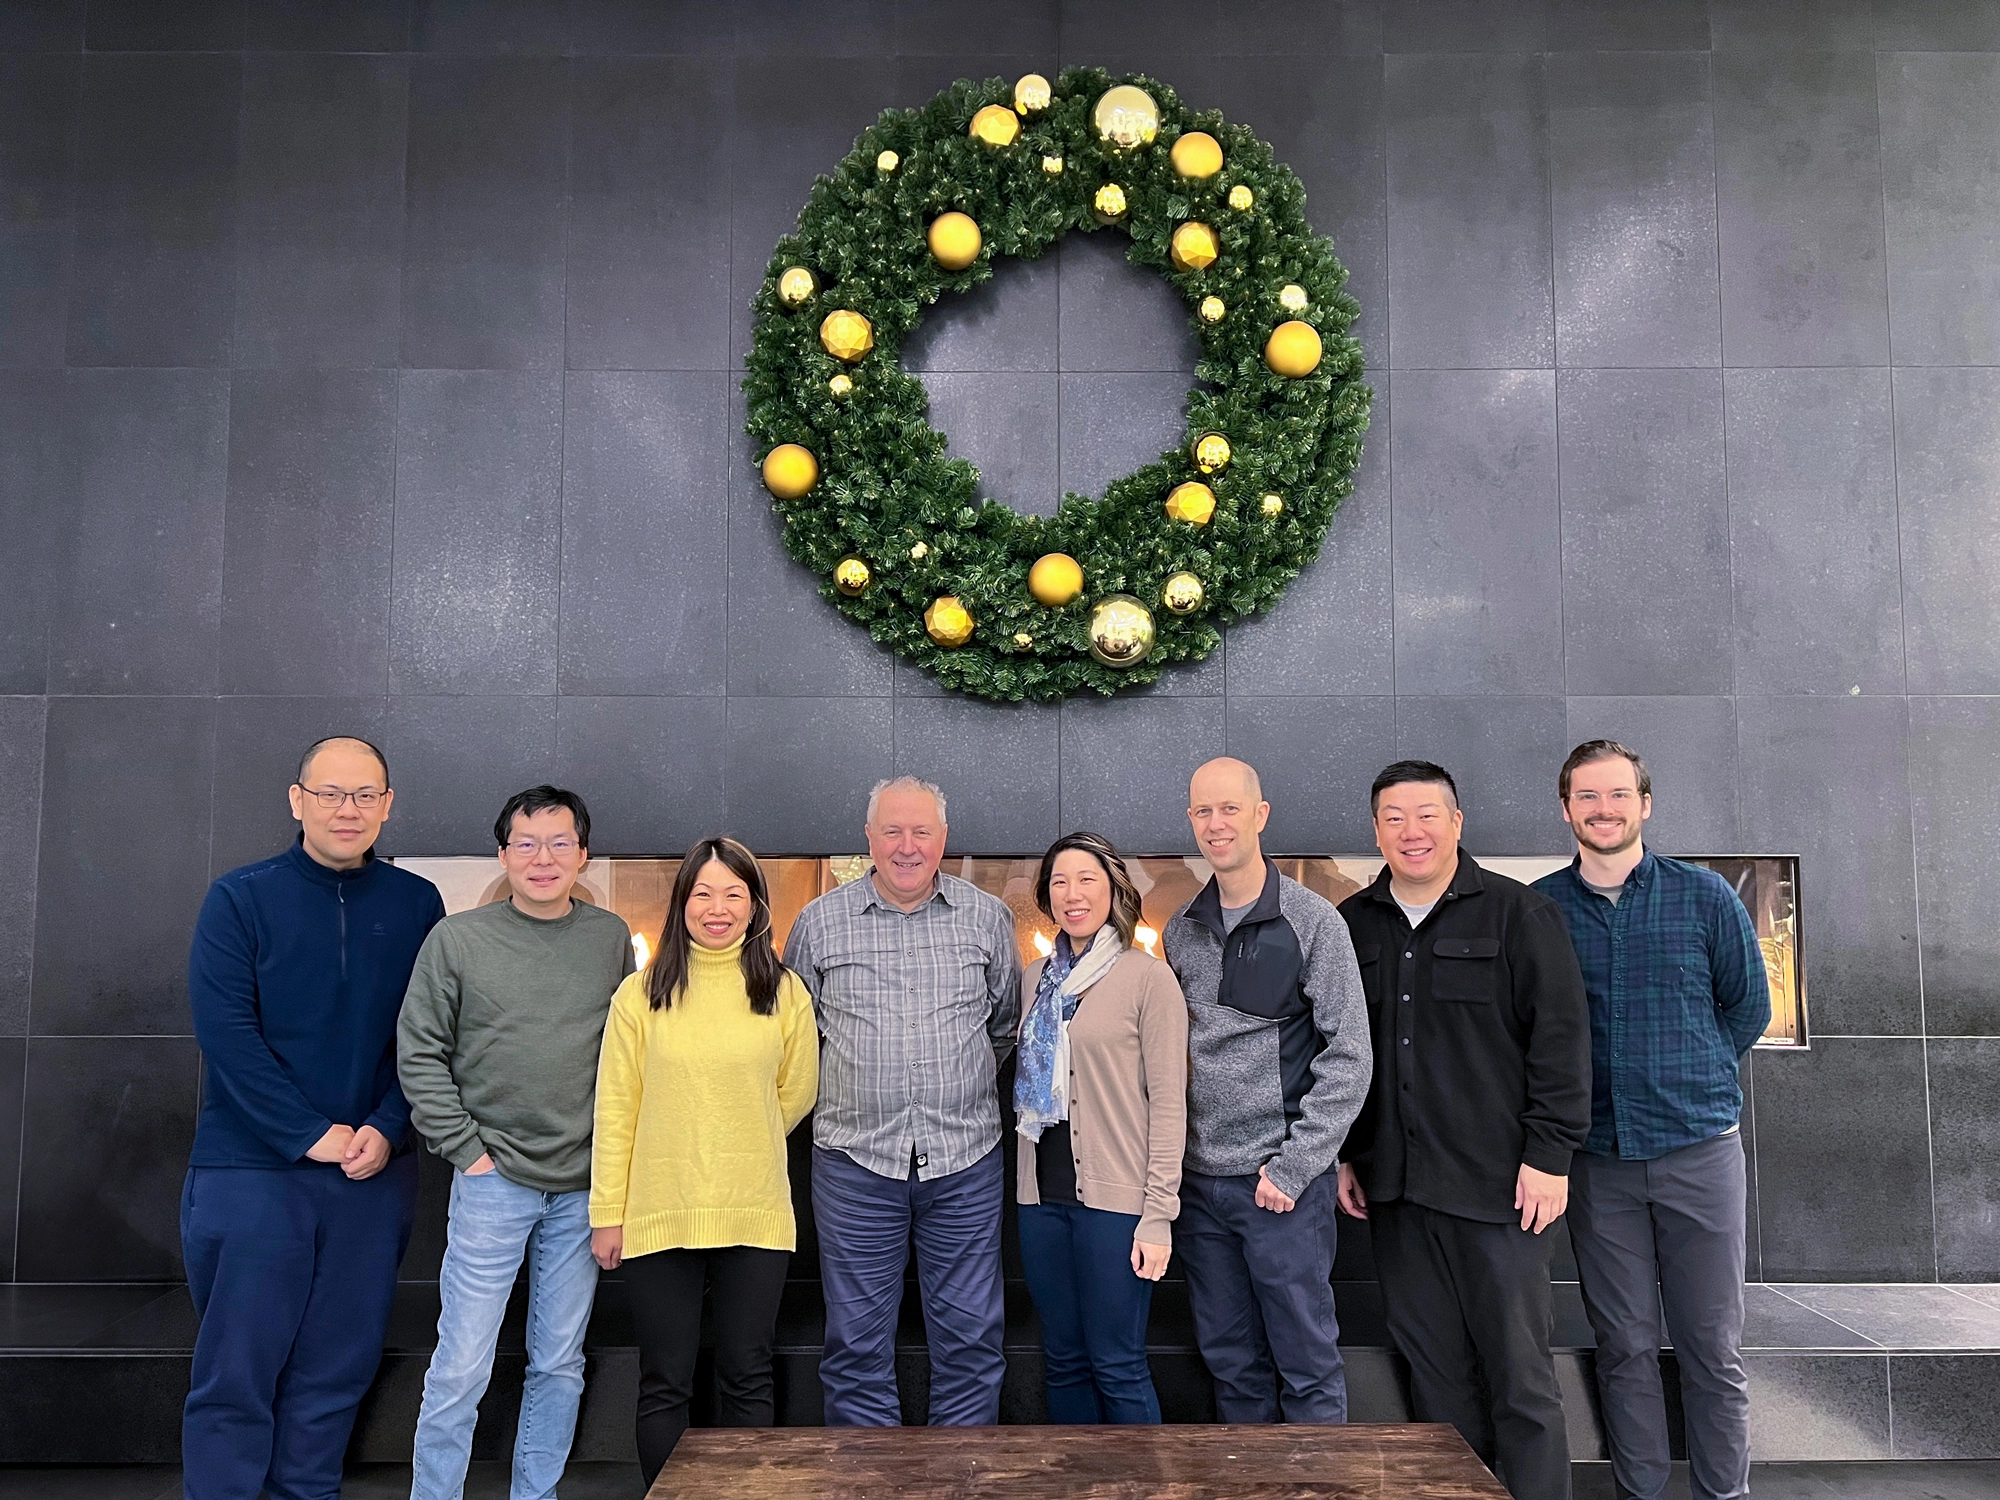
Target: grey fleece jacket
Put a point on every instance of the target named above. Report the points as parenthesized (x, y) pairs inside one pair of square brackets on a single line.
[(1279, 1060)]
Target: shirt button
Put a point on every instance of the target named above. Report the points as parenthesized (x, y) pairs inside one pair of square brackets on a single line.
[(1406, 999), (923, 1161), (1409, 955), (1406, 1041)]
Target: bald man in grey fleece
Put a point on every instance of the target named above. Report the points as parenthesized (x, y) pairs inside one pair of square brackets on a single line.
[(1279, 1064)]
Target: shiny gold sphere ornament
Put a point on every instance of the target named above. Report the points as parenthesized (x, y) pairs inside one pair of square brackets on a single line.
[(1194, 247), (1272, 505), (954, 240), (1182, 593), (1292, 297), (1192, 502), (1121, 631), (1240, 198), (840, 387), (1293, 349), (789, 471), (1055, 579), (852, 576), (1107, 205), (1197, 155), (948, 621), (1212, 310), (1210, 452), (797, 286), (995, 125), (846, 335), (1032, 94), (1052, 165), (888, 161), (1126, 117)]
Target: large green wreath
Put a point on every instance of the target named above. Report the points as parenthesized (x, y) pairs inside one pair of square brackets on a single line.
[(882, 491)]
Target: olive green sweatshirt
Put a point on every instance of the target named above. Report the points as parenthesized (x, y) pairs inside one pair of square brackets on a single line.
[(498, 1040)]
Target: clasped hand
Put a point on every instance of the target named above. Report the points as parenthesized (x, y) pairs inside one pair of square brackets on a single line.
[(360, 1153)]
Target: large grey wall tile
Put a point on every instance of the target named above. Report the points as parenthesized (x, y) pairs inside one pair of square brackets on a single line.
[(37, 481), (34, 295), (23, 722), (486, 188), (139, 567), (1108, 425), (141, 26), (1006, 323), (1799, 188), (1465, 26), (645, 533), (106, 1134), (155, 267), (13, 1086), (1628, 25), (1315, 757), (849, 743), (456, 760), (1632, 169), (478, 480), (1477, 576), (328, 26), (648, 259), (258, 742), (38, 101), (113, 912), (1819, 25), (1812, 1408), (1091, 31), (1947, 473), (652, 770), (779, 28), (321, 270), (1689, 745), (1944, 1406), (1809, 1134), (1137, 800), (1925, 26), (1005, 425), (515, 28), (1827, 779), (998, 765), (922, 28), (42, 26), (1965, 1156), (1955, 746), (645, 26), (1645, 517), (1504, 754), (1469, 229), (308, 532), (1112, 315), (1812, 514)]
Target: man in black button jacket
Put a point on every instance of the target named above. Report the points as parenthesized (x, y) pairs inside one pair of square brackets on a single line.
[(1459, 1159)]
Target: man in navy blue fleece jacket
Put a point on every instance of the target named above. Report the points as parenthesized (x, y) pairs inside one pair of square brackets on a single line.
[(300, 1192)]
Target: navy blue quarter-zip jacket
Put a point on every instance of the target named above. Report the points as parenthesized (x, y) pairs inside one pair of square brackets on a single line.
[(296, 976)]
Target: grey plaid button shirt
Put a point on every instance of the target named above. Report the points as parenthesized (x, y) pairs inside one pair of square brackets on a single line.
[(917, 1009)]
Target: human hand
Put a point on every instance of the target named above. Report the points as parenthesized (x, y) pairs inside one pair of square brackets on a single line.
[(481, 1167), (1269, 1197), (1149, 1262), (366, 1154), (1541, 1197), (1353, 1201), (333, 1145), (607, 1246)]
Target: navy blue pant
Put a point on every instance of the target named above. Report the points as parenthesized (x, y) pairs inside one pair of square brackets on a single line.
[(1093, 1308), (1260, 1285), (292, 1274), (865, 1225)]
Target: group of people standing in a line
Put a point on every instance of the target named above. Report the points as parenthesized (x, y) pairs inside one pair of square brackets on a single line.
[(1454, 1057)]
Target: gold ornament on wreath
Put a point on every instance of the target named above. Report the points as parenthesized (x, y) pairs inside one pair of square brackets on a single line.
[(1122, 631), (1055, 579), (948, 621), (852, 577), (1182, 593)]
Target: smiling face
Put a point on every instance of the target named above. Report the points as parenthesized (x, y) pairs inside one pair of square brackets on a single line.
[(719, 907), (340, 837), (1605, 808), (1079, 895), (906, 842), (1228, 813), (1417, 825), (543, 858)]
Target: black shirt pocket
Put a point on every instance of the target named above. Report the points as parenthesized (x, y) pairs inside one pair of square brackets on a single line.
[(1465, 970)]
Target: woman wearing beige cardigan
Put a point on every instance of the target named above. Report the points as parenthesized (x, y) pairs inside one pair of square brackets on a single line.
[(1101, 1091)]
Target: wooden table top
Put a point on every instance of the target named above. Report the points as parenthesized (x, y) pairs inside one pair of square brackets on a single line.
[(1413, 1461)]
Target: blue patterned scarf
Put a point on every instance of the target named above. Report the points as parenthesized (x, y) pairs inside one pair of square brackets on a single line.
[(1041, 1074)]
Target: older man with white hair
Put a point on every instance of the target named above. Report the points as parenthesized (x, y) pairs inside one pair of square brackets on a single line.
[(917, 983)]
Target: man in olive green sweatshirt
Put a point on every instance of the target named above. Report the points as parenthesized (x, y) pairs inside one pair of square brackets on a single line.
[(497, 1052)]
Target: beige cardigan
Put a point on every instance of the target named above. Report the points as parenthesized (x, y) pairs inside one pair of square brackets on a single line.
[(1128, 1056)]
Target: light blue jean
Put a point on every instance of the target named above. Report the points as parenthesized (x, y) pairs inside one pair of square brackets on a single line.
[(494, 1224)]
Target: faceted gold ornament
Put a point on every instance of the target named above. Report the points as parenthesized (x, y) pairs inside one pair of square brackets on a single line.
[(1121, 631), (1032, 94), (840, 387), (797, 286), (1052, 165), (1240, 197), (1193, 502), (851, 576), (1272, 505), (846, 335), (1197, 155), (1022, 640), (888, 161), (995, 125), (1194, 247), (1292, 297), (1210, 452), (1107, 206), (1055, 579), (1293, 349), (1212, 310), (789, 471), (1126, 116), (1182, 593), (948, 621), (954, 240), (919, 552)]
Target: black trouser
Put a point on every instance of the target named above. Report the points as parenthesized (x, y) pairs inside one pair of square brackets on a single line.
[(745, 1284), (1469, 1307)]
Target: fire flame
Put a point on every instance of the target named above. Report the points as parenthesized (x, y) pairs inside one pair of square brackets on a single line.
[(1044, 944), (642, 951)]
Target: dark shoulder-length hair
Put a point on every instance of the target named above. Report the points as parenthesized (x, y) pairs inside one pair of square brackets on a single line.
[(1124, 894), (667, 975)]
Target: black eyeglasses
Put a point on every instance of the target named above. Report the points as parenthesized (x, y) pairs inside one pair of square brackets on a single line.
[(330, 798)]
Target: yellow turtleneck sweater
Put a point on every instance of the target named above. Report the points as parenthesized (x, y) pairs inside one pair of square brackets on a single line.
[(693, 1106)]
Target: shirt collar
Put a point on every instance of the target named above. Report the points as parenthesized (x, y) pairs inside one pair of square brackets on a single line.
[(1640, 877), (321, 874), (940, 891), (1206, 908), (1467, 880)]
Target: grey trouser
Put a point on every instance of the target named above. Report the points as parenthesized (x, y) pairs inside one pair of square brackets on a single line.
[(1667, 1232)]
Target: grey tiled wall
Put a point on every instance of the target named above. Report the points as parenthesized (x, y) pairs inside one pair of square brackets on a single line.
[(373, 366)]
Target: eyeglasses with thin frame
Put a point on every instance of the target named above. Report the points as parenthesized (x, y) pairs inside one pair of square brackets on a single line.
[(1621, 797), (331, 798), (562, 846)]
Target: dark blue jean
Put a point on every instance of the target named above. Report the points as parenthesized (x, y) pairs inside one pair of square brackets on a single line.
[(1093, 1308)]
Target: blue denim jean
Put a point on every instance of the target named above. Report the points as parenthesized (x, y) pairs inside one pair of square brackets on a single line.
[(494, 1224), (1094, 1308)]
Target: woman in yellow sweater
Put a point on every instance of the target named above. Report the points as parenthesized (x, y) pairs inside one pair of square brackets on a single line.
[(710, 1058)]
